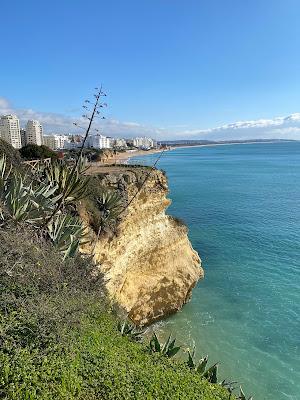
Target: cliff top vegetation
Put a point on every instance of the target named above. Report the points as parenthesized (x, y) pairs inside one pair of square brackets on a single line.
[(59, 336)]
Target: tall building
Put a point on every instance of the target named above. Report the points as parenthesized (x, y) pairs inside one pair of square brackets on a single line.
[(120, 143), (143, 142), (10, 130), (61, 141), (34, 133), (49, 141), (99, 142)]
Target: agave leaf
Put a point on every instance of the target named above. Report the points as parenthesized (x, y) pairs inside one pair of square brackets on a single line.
[(172, 344), (190, 362), (66, 233), (154, 344), (210, 373), (171, 353), (202, 365), (165, 346)]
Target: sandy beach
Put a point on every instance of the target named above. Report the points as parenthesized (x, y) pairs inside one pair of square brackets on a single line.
[(118, 159)]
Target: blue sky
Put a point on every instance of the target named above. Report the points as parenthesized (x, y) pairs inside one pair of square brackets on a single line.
[(176, 68)]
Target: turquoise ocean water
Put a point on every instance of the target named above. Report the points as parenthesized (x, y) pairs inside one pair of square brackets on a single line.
[(242, 206)]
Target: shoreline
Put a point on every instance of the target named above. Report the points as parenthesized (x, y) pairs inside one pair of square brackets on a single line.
[(123, 157), (229, 144)]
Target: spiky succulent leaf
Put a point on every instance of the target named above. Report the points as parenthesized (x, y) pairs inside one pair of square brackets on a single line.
[(172, 352), (202, 365), (154, 344), (67, 233)]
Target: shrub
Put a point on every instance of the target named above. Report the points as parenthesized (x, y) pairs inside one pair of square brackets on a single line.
[(12, 155), (35, 152), (59, 339)]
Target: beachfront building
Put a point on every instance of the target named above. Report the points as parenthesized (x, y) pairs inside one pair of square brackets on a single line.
[(56, 142), (99, 142), (143, 143), (10, 130), (49, 141), (34, 133), (74, 142), (61, 141), (120, 143)]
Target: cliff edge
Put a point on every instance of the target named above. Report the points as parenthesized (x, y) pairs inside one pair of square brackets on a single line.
[(149, 265)]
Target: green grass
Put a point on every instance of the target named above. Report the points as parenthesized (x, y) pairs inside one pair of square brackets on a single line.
[(59, 339), (96, 362)]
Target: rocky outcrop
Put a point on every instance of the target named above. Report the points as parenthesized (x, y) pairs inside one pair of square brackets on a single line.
[(149, 265)]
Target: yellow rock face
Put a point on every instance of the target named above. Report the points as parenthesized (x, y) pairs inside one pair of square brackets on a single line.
[(150, 267)]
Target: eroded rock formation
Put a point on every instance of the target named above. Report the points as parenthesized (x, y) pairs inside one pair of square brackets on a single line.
[(150, 267)]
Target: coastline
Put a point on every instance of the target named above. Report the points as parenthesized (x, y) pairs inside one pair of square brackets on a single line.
[(227, 144), (124, 157)]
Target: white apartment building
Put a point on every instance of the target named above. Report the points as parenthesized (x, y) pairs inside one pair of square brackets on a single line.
[(61, 141), (10, 130), (56, 142), (34, 132), (99, 142), (120, 143), (143, 142), (49, 141)]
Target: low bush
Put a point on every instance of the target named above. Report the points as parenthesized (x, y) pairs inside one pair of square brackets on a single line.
[(35, 152), (59, 339)]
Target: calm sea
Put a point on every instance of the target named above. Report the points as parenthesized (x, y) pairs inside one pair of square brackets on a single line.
[(242, 206)]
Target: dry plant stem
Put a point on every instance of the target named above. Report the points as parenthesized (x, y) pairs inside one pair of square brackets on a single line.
[(61, 201)]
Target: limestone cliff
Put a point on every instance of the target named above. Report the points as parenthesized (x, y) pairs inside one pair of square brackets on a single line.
[(150, 267)]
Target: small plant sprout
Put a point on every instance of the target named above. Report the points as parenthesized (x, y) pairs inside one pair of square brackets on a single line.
[(167, 349), (131, 331)]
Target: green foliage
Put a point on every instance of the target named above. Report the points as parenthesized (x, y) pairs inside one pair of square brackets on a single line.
[(12, 155), (35, 152), (38, 202), (24, 202), (131, 331), (167, 349), (230, 386), (59, 339), (110, 206), (5, 171), (210, 374), (242, 395), (67, 233), (71, 184)]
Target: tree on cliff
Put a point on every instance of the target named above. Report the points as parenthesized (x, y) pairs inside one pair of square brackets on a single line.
[(35, 152)]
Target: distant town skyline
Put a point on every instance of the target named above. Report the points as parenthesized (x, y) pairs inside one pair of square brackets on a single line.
[(195, 70), (282, 127)]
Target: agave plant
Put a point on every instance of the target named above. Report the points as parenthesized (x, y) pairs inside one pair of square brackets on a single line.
[(4, 172), (242, 395), (230, 386), (130, 331), (70, 182), (109, 205), (167, 349), (26, 203), (209, 374), (67, 233)]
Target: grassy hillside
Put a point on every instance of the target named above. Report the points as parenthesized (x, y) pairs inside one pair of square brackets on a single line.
[(59, 339)]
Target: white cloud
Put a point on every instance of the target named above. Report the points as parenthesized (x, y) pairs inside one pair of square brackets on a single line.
[(276, 128), (287, 127)]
